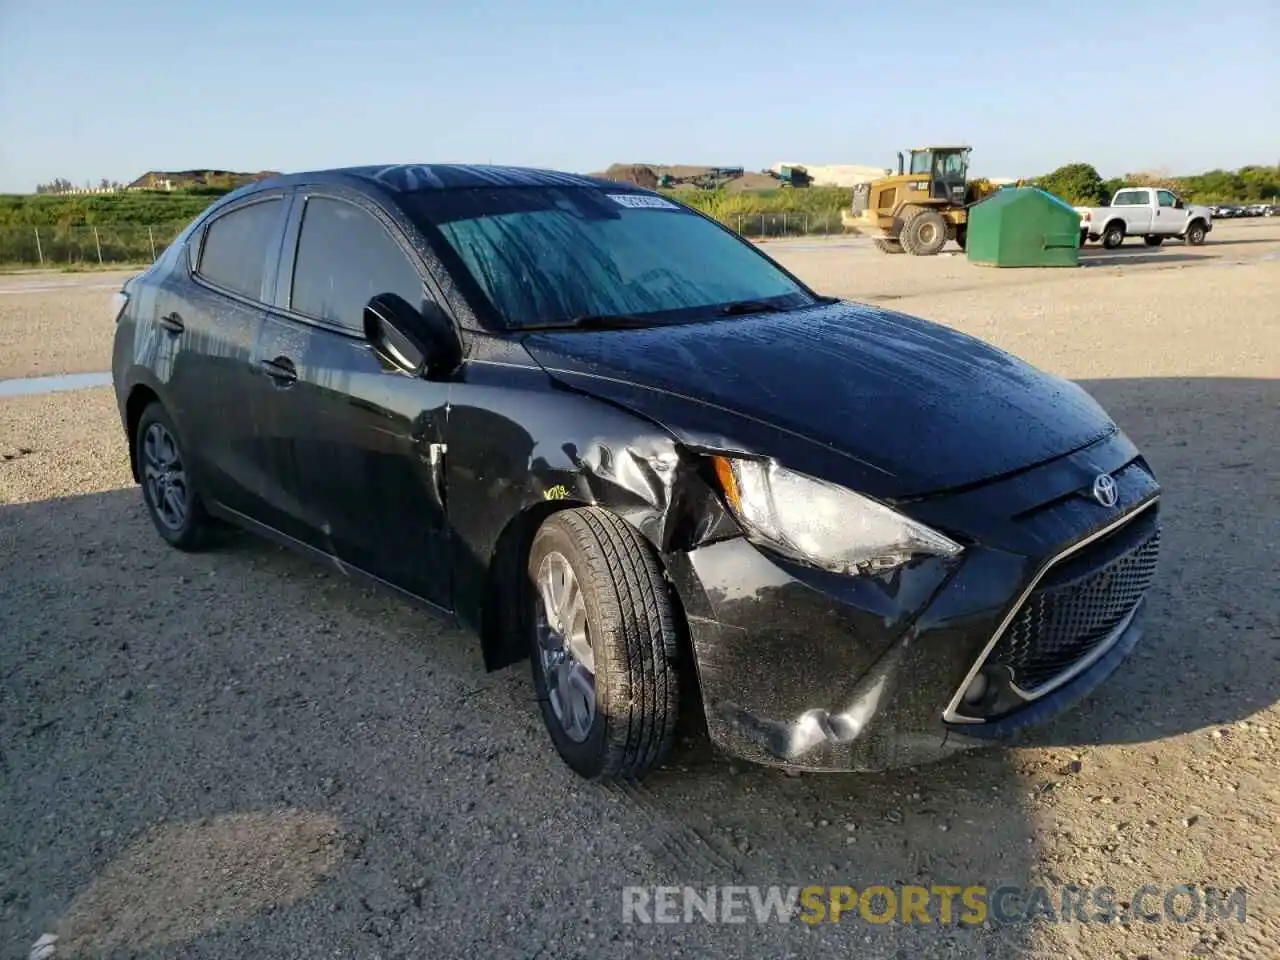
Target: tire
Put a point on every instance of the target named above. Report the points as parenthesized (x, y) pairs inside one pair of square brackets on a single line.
[(887, 245), (623, 618), (923, 233), (180, 519), (962, 235), (1113, 236), (1195, 234), (1151, 241)]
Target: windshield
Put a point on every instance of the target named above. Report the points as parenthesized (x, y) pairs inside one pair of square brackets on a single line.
[(549, 256)]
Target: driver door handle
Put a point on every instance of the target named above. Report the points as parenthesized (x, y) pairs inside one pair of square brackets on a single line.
[(281, 370)]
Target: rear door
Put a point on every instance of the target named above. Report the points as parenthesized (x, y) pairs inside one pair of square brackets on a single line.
[(1135, 207), (214, 319), (357, 444)]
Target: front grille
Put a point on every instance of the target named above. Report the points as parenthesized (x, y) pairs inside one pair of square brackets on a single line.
[(1078, 603)]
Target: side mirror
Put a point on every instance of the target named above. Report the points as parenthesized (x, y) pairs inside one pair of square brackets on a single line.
[(1178, 204), (416, 341)]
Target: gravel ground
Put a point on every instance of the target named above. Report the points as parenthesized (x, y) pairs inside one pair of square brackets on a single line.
[(239, 754)]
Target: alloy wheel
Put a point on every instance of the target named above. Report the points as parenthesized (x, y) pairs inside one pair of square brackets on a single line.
[(164, 476), (564, 646)]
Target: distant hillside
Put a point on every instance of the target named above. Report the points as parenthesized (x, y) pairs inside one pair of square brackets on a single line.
[(224, 180)]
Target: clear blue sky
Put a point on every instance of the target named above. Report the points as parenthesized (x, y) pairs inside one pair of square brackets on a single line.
[(102, 89)]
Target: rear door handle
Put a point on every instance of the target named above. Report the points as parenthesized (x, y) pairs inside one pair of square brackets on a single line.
[(281, 370), (171, 322)]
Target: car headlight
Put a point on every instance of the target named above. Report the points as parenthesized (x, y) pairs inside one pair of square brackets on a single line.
[(820, 523)]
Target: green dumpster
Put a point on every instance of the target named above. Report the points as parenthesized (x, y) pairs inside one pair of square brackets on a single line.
[(1023, 227)]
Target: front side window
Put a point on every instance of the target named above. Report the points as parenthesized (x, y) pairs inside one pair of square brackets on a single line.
[(548, 256), (345, 258), (237, 247), (1167, 199)]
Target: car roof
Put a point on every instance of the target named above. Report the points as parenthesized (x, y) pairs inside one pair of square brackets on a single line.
[(406, 177)]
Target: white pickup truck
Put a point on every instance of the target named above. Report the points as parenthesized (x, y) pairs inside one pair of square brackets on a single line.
[(1147, 212)]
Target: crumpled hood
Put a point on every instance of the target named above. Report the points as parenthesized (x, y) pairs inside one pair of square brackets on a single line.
[(926, 407)]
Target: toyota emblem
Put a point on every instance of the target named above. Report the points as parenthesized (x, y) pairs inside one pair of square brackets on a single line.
[(1104, 490)]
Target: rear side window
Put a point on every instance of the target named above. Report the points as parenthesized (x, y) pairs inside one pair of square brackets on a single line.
[(345, 258), (237, 246)]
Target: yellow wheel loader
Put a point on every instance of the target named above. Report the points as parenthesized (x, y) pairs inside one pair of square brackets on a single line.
[(923, 206)]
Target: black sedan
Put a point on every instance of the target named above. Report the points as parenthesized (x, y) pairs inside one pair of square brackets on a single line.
[(604, 432)]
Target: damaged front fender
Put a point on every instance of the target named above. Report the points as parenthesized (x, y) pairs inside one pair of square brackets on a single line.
[(519, 450)]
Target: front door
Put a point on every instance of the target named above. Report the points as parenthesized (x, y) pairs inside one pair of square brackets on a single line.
[(1169, 219), (356, 443)]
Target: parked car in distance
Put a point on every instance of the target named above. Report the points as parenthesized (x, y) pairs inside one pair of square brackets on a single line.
[(1150, 213), (605, 433)]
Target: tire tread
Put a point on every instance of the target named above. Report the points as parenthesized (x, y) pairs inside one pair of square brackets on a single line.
[(639, 639)]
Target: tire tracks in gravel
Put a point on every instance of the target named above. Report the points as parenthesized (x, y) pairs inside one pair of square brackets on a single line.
[(686, 849)]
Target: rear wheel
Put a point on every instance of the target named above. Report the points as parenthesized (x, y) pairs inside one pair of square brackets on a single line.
[(887, 244), (1113, 236), (923, 233), (167, 490), (604, 645), (1152, 241), (1195, 234), (962, 235)]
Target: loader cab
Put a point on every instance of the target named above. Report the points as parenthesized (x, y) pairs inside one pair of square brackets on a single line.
[(947, 169)]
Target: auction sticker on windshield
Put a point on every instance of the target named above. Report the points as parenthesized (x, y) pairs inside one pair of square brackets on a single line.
[(641, 201)]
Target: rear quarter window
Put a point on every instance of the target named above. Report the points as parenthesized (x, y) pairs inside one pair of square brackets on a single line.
[(237, 247)]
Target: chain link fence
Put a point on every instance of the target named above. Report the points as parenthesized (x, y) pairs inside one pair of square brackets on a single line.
[(800, 223), (81, 245)]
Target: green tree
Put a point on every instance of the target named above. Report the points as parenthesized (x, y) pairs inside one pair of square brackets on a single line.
[(1260, 183), (1076, 183), (1109, 188)]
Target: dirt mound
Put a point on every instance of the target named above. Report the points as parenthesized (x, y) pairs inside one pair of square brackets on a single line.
[(640, 174), (648, 174)]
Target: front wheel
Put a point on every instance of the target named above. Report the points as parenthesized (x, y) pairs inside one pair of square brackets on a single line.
[(1196, 234), (604, 645), (887, 245), (1152, 241), (923, 233)]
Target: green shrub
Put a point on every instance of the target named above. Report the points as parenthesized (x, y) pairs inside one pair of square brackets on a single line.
[(142, 208)]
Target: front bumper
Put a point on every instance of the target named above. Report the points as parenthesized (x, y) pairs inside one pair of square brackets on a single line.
[(815, 671)]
